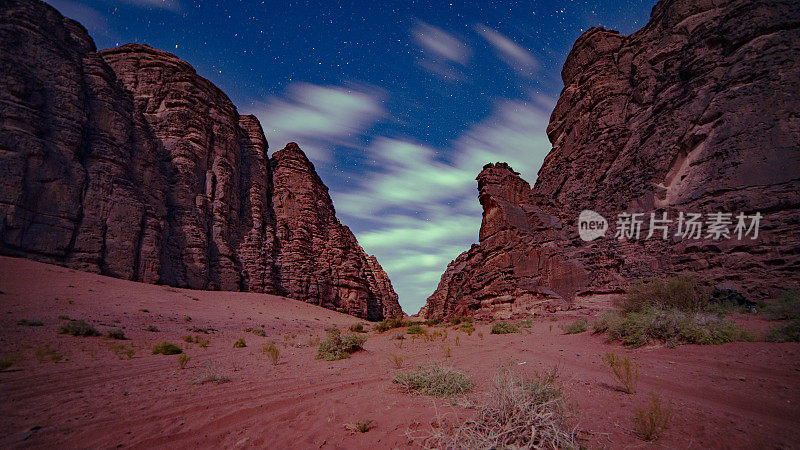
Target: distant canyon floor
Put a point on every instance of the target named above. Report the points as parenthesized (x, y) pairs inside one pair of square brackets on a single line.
[(106, 393)]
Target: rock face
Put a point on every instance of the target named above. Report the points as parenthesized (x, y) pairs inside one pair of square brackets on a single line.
[(694, 113), (126, 162)]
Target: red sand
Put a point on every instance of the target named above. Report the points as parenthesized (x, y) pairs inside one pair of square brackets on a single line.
[(734, 395)]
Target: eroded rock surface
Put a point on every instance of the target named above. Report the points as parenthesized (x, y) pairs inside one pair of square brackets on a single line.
[(696, 112), (126, 162)]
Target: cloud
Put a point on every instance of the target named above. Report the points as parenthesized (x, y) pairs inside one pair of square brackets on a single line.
[(418, 209), (169, 5), (440, 43), (514, 55), (95, 22), (319, 117), (442, 53)]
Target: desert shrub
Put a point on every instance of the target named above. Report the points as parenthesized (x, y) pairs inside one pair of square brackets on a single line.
[(399, 336), (240, 343), (8, 361), (446, 351), (416, 328), (202, 343), (337, 346), (188, 339), (78, 328), (165, 348), (468, 328), (45, 353), (625, 371), (357, 328), (435, 380), (183, 360), (361, 427), (210, 374), (63, 317), (527, 323), (272, 352), (519, 413), (121, 351), (457, 320), (30, 323), (673, 327), (434, 321), (504, 327), (652, 419), (789, 332), (395, 359), (578, 326), (115, 333), (152, 329), (684, 292), (257, 331), (187, 319), (785, 308), (389, 323)]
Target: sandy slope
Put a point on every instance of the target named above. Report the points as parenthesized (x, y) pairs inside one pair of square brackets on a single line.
[(736, 395)]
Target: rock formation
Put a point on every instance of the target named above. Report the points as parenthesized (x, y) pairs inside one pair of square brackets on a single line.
[(126, 162), (696, 112)]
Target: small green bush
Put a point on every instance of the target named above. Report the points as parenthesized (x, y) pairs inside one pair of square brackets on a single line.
[(416, 328), (786, 308), (30, 323), (357, 328), (652, 419), (78, 328), (165, 348), (337, 346), (361, 427), (432, 322), (504, 327), (44, 353), (789, 332), (683, 292), (527, 323), (579, 326), (468, 328), (435, 380), (115, 333), (624, 370), (389, 323), (272, 352), (183, 360), (152, 329), (240, 343)]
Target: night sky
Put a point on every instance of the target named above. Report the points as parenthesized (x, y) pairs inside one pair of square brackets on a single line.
[(398, 104)]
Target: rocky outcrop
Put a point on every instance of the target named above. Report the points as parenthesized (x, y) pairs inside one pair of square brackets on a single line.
[(694, 113), (126, 162)]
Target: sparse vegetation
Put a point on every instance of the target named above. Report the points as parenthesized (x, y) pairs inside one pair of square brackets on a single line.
[(504, 327), (432, 322), (578, 326), (786, 308), (166, 348), (435, 380), (361, 427), (527, 323), (183, 360), (446, 351), (357, 328), (210, 374), (152, 329), (468, 328), (520, 413), (676, 310), (257, 331), (115, 333), (78, 328), (8, 361), (45, 353), (121, 351), (625, 371), (396, 360), (240, 343), (652, 419), (272, 352), (337, 346), (416, 328), (389, 323), (30, 323)]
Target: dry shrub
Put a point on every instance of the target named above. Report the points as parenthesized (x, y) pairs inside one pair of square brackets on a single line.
[(183, 360), (652, 419), (395, 359), (210, 374), (361, 427), (240, 343), (78, 328), (625, 371), (337, 346), (272, 352), (504, 327), (579, 326), (435, 380), (520, 413), (683, 291)]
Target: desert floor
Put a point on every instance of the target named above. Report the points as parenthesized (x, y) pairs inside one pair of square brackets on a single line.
[(735, 395)]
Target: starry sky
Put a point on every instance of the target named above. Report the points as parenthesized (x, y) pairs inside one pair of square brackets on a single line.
[(399, 104)]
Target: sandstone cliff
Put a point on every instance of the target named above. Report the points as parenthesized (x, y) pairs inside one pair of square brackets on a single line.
[(696, 112), (126, 162)]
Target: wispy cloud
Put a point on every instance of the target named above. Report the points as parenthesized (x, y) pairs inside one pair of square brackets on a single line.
[(94, 21), (319, 117), (513, 54), (169, 5), (442, 52), (419, 210)]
